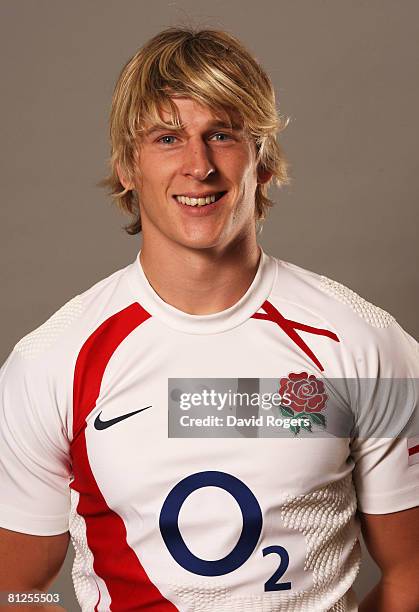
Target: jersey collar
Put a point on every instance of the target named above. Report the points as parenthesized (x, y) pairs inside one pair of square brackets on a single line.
[(222, 321)]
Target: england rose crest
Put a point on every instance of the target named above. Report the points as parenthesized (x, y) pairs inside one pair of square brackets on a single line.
[(303, 397)]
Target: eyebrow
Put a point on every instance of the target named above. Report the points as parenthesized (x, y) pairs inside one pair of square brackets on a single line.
[(216, 124)]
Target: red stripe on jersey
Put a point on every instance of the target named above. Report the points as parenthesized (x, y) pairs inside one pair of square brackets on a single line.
[(115, 562), (98, 601), (413, 450), (289, 327)]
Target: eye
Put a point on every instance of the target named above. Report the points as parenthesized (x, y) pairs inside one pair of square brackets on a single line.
[(167, 139), (221, 136)]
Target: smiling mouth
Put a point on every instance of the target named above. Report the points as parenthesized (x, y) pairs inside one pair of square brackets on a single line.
[(200, 201)]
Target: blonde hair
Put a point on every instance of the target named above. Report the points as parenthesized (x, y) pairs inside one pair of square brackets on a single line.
[(211, 67)]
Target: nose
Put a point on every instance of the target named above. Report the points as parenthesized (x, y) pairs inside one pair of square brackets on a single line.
[(197, 161)]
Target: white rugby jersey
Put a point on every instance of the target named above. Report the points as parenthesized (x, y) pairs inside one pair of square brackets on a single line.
[(201, 524)]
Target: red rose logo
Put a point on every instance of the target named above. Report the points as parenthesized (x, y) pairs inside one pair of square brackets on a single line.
[(303, 392)]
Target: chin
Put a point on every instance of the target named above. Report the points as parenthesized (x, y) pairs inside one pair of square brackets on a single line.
[(200, 242)]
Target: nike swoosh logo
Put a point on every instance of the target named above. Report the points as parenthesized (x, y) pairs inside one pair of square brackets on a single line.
[(99, 424)]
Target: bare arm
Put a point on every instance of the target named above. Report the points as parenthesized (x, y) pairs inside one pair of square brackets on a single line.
[(30, 563), (392, 540)]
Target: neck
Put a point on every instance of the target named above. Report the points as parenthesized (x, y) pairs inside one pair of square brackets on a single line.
[(201, 281)]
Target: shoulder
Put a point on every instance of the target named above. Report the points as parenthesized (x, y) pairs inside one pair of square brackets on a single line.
[(57, 340), (38, 376), (330, 298), (369, 333)]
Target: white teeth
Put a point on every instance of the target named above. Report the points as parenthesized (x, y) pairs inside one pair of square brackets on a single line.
[(196, 201)]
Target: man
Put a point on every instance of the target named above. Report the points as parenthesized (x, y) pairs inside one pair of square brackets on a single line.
[(91, 399)]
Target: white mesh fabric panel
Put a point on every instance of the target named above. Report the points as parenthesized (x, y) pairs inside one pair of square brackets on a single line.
[(375, 316), (348, 575), (84, 578), (200, 598), (324, 517), (339, 607), (210, 598), (44, 336)]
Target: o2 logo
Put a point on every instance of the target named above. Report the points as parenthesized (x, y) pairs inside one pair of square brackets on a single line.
[(249, 537)]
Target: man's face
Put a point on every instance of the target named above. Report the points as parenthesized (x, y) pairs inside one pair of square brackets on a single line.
[(208, 159)]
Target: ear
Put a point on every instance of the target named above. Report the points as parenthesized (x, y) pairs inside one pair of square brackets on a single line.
[(123, 180), (264, 176)]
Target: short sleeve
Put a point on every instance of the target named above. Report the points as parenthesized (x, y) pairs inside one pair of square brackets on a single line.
[(34, 450), (386, 455)]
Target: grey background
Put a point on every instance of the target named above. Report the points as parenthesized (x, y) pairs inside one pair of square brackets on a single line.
[(345, 71)]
